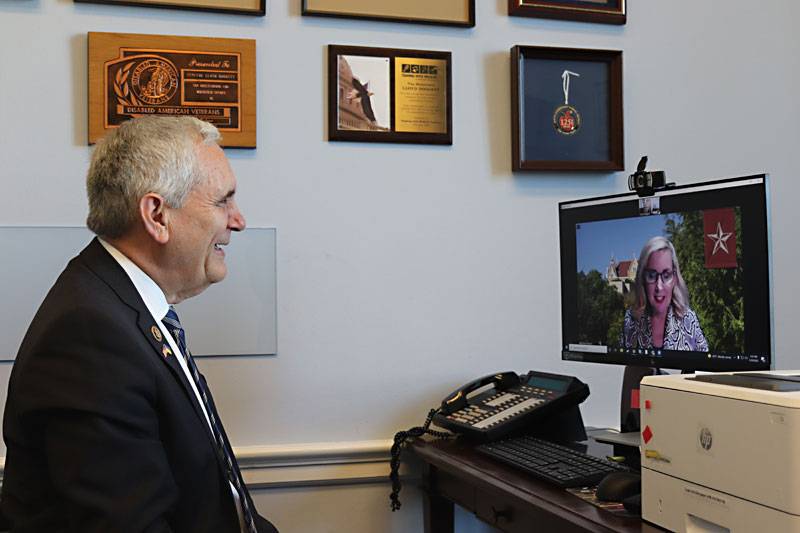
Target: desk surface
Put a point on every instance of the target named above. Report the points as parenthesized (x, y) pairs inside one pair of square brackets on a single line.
[(503, 497)]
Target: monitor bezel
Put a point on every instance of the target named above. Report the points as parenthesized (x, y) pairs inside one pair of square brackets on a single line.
[(691, 362)]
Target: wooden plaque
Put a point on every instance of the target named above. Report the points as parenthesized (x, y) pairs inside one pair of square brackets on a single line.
[(213, 79)]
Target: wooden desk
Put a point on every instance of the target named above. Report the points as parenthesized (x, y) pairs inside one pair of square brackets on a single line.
[(503, 497)]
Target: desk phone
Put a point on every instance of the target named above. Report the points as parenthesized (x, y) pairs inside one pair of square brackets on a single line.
[(493, 406)]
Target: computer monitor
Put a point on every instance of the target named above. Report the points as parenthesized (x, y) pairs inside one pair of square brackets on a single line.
[(677, 280)]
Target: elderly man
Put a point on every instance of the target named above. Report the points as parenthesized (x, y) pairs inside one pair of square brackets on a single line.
[(109, 425)]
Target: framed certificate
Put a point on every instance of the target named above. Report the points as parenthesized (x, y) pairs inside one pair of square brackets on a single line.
[(566, 109), (389, 95), (446, 12), (605, 11), (132, 75), (241, 7)]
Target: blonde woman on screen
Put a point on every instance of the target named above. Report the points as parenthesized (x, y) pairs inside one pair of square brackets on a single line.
[(660, 316)]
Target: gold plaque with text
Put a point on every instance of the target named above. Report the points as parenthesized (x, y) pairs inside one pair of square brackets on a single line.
[(420, 95)]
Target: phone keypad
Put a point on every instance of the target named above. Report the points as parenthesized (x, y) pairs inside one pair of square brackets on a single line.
[(502, 406), (469, 415), (510, 411)]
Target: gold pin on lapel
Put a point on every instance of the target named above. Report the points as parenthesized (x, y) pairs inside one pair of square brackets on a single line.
[(165, 351), (156, 333)]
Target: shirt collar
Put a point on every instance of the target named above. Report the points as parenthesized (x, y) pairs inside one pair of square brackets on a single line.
[(151, 293)]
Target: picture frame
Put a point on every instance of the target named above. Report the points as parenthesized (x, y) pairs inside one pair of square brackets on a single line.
[(566, 109), (459, 13), (603, 11), (210, 78), (389, 95), (256, 8)]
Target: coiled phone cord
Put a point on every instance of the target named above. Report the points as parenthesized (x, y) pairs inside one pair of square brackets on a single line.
[(401, 440)]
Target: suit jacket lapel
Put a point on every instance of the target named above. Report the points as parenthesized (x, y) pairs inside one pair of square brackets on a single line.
[(106, 267)]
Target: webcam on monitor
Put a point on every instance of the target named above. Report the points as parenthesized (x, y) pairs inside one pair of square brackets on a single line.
[(647, 182)]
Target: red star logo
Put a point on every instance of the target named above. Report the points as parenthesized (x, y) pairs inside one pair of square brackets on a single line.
[(720, 239)]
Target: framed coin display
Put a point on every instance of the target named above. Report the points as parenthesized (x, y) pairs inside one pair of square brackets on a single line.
[(566, 109), (133, 75)]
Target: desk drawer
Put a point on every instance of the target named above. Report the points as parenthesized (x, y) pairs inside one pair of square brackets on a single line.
[(516, 517), (503, 514)]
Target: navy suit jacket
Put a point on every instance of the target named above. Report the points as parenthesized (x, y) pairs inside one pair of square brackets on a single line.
[(103, 431)]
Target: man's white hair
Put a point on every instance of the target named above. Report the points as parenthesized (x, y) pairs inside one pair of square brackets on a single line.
[(144, 155)]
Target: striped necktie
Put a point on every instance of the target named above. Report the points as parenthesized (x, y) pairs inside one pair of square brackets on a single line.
[(232, 469)]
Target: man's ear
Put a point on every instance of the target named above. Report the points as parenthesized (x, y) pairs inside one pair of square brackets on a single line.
[(154, 212)]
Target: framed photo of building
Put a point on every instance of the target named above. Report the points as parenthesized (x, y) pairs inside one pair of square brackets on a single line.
[(566, 109), (389, 95), (605, 11), (444, 12), (241, 7), (133, 75)]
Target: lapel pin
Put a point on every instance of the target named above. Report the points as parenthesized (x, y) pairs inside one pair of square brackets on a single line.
[(156, 333), (165, 351)]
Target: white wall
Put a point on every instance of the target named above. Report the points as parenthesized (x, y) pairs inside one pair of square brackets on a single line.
[(404, 271)]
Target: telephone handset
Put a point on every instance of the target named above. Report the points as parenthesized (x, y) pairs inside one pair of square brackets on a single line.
[(493, 406)]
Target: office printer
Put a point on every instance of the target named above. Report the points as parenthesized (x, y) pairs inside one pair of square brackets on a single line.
[(721, 452)]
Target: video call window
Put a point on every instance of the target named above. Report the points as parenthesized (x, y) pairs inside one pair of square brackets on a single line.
[(632, 271)]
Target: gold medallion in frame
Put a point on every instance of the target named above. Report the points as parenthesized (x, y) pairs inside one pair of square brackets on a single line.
[(585, 132)]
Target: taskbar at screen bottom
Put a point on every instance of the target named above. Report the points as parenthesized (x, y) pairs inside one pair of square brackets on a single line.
[(660, 358)]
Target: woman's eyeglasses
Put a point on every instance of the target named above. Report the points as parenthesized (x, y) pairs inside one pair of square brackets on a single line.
[(651, 276)]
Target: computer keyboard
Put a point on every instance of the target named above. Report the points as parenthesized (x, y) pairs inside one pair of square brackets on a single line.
[(551, 462)]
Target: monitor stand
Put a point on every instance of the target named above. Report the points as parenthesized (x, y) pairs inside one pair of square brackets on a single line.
[(563, 426), (626, 441), (629, 401)]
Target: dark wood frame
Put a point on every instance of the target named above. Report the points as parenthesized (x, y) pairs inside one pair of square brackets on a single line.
[(260, 12), (336, 134), (469, 24), (554, 9), (615, 123)]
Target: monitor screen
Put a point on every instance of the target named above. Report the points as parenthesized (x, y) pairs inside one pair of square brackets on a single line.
[(676, 280)]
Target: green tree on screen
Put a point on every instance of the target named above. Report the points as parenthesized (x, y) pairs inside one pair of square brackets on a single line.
[(715, 294), (600, 310)]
